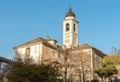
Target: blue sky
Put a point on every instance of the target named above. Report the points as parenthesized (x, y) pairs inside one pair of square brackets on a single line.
[(24, 20)]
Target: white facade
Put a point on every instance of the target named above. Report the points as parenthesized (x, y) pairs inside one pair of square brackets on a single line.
[(37, 51), (34, 53), (70, 31)]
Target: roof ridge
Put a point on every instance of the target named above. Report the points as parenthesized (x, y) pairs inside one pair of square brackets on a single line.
[(5, 59), (31, 41), (86, 45)]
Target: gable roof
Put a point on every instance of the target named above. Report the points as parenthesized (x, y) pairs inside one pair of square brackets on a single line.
[(98, 52), (2, 59), (87, 46), (37, 40), (40, 40)]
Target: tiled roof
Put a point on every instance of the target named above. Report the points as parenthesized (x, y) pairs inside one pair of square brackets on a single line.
[(86, 46), (38, 40), (31, 42), (2, 59), (98, 52)]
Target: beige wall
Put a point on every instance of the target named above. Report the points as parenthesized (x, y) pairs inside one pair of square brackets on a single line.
[(81, 62), (35, 52), (49, 54), (39, 53)]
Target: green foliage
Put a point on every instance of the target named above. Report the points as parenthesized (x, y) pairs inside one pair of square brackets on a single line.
[(107, 70), (115, 59), (21, 72)]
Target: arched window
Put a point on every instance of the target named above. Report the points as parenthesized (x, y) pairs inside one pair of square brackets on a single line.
[(67, 27), (74, 28), (27, 51)]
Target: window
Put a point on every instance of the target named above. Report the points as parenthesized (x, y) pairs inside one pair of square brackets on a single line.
[(74, 28), (67, 27), (27, 52)]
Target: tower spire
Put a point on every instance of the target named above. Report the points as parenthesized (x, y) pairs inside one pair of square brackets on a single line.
[(70, 13)]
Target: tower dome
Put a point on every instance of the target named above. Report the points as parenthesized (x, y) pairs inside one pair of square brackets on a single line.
[(70, 13)]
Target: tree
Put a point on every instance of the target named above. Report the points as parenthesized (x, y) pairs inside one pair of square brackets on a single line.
[(66, 65), (107, 70), (21, 72), (115, 59), (115, 51), (80, 62), (76, 65)]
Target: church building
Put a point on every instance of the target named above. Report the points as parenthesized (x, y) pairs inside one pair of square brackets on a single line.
[(82, 60)]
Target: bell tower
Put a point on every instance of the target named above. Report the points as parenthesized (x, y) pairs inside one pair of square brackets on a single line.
[(70, 30)]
